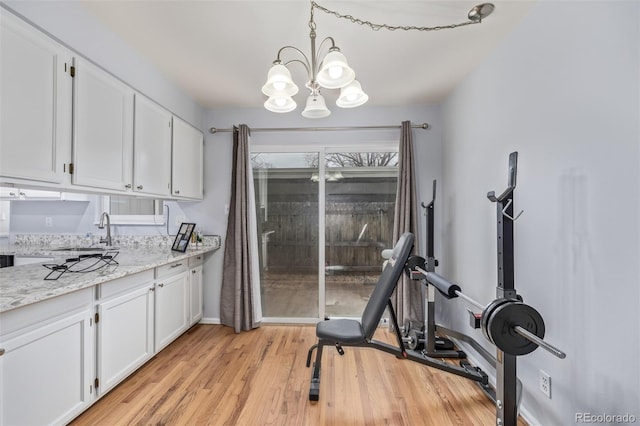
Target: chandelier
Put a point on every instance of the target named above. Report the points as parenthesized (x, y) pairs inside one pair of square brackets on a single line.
[(331, 71)]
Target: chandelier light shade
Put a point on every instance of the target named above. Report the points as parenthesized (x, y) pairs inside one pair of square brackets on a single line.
[(327, 68), (334, 72), (352, 96), (280, 104), (316, 107), (279, 82)]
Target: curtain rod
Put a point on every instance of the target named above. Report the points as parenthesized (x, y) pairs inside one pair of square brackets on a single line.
[(317, 129)]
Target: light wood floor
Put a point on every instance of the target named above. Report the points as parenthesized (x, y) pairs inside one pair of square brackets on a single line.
[(212, 376)]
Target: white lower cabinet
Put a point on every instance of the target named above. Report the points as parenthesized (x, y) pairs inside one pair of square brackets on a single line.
[(57, 357), (172, 306), (47, 366), (124, 328)]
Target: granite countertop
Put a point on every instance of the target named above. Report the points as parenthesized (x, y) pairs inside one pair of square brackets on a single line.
[(25, 284)]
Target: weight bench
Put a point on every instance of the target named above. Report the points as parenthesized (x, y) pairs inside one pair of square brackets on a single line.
[(351, 332)]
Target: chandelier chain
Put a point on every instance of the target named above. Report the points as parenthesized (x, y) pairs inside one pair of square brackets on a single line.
[(377, 27), (312, 23)]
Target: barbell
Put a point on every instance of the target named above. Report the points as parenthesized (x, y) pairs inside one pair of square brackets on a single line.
[(513, 326)]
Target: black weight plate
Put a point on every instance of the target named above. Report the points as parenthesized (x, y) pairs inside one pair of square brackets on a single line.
[(406, 327), (501, 327), (411, 264), (415, 343), (486, 314)]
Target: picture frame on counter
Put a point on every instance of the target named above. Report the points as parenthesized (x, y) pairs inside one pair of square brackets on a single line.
[(184, 236)]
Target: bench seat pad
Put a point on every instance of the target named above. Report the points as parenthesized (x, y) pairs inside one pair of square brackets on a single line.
[(347, 331)]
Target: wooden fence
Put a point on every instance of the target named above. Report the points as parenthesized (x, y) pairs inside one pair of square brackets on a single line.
[(356, 233)]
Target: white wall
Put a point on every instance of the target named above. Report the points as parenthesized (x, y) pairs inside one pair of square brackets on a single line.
[(563, 90), (218, 152)]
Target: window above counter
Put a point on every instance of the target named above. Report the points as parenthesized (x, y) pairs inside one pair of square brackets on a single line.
[(125, 210)]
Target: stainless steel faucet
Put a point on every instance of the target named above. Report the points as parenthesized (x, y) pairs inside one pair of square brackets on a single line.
[(101, 226)]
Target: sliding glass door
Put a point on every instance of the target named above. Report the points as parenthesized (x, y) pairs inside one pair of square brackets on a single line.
[(287, 218), (359, 204), (323, 219)]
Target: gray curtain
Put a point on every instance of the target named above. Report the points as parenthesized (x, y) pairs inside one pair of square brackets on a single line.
[(408, 301), (238, 301)]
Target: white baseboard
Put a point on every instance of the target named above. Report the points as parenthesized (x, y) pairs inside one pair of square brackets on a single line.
[(209, 320)]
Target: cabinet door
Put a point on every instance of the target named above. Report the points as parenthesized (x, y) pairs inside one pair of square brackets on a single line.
[(125, 335), (46, 374), (35, 103), (186, 165), (195, 285), (102, 130), (172, 309), (151, 148)]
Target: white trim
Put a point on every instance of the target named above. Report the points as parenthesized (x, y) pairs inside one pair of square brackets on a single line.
[(322, 290), (382, 146), (290, 321), (253, 245)]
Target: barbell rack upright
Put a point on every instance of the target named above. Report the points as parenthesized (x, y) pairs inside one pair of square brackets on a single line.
[(428, 292), (506, 364)]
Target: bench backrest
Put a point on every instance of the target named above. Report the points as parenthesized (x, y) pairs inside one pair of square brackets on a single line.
[(386, 284)]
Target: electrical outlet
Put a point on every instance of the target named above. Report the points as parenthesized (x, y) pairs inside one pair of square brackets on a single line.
[(545, 384), (179, 220), (48, 221)]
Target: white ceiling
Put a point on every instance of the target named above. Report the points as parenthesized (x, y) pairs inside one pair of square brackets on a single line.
[(219, 52)]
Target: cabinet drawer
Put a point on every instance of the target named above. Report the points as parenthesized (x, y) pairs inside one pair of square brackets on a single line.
[(28, 316), (196, 260), (171, 268), (130, 282)]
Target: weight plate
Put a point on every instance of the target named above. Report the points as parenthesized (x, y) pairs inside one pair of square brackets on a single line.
[(415, 343), (501, 325), (486, 314), (411, 264)]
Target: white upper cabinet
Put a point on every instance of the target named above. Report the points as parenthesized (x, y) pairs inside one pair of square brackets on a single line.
[(35, 104), (151, 148), (186, 165), (102, 129), (61, 116)]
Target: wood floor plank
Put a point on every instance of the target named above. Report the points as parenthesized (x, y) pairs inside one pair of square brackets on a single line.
[(212, 376)]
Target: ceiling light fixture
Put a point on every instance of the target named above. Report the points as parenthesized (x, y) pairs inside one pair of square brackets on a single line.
[(332, 71)]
